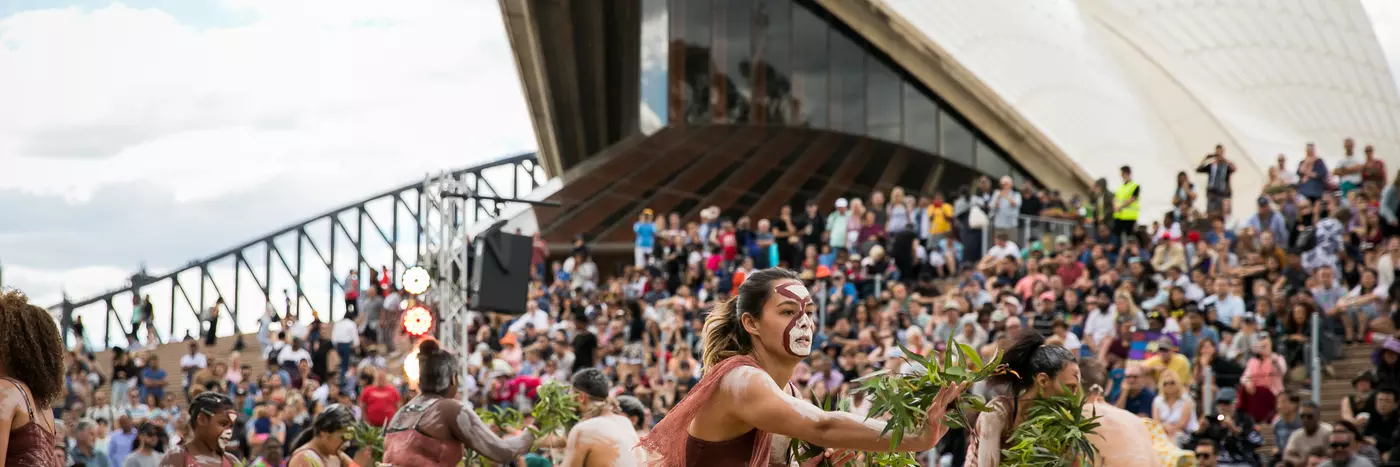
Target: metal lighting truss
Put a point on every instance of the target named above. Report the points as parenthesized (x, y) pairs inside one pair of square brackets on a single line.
[(308, 262)]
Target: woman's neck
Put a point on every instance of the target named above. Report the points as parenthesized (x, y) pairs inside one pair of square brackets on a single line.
[(776, 368), (323, 450)]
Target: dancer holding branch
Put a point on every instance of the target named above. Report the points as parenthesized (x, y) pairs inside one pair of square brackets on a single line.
[(753, 343), (434, 429)]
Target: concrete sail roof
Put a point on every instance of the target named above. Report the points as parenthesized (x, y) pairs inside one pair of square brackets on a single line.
[(1155, 84)]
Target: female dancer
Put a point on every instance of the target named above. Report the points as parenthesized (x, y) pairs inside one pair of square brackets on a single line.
[(320, 446), (31, 363), (753, 343), (211, 429), (432, 429), (1037, 369)]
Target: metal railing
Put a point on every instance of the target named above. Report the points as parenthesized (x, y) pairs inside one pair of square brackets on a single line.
[(1029, 229), (308, 261)]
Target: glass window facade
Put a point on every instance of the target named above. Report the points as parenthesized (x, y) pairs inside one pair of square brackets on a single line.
[(788, 62)]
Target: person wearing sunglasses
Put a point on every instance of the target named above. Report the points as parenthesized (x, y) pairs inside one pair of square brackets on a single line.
[(1206, 451), (323, 444), (1343, 444)]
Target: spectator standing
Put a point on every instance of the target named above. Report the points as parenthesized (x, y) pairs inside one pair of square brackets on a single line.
[(1005, 208), (352, 290), (1125, 204), (837, 225), (1312, 175), (345, 335), (191, 363), (379, 401), (153, 379), (211, 319), (645, 228), (1218, 171), (1349, 168)]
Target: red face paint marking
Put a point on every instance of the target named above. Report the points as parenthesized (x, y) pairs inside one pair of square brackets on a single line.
[(797, 292)]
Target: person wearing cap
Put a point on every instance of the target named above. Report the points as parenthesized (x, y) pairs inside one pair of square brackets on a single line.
[(838, 223), (1233, 430), (1267, 220), (1168, 359)]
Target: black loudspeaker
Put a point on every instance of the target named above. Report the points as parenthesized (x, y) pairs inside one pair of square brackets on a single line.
[(501, 272)]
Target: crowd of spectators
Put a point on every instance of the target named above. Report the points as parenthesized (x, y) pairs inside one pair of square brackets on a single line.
[(1203, 316)]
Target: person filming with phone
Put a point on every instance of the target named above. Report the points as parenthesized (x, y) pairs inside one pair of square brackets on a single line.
[(1232, 430)]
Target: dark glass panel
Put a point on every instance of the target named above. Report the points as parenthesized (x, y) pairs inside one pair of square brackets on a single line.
[(916, 173), (991, 161), (772, 76), (957, 140), (847, 84), (810, 63), (697, 80), (884, 94), (920, 120), (734, 49)]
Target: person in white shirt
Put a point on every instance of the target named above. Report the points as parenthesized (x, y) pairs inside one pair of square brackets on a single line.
[(1100, 323), (1228, 308), (192, 362), (345, 336), (533, 315)]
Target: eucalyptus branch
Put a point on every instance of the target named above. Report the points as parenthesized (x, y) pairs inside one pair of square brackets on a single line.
[(1055, 434)]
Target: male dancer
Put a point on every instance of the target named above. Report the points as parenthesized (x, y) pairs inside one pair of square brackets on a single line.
[(604, 437)]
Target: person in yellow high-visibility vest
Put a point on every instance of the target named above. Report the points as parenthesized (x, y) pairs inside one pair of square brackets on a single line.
[(1125, 204)]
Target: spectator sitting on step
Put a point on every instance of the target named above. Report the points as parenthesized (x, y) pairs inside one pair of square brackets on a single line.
[(1381, 426), (1312, 433)]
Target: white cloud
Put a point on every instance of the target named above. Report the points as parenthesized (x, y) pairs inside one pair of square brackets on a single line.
[(343, 97), (315, 88)]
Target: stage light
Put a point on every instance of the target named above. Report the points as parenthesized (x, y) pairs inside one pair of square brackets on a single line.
[(416, 280), (417, 321)]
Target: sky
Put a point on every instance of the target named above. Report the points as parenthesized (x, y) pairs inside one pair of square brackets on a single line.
[(159, 131)]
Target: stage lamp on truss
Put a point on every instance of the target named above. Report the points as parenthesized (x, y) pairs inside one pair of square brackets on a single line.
[(416, 280), (417, 320)]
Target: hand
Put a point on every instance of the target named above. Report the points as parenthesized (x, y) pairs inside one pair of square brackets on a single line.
[(836, 456), (936, 429)]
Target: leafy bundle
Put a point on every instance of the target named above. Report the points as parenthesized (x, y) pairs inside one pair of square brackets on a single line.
[(370, 437), (1055, 434), (905, 399), (802, 451), (556, 411), (505, 419)]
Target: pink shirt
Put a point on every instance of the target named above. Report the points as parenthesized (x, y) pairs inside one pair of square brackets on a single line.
[(1264, 374)]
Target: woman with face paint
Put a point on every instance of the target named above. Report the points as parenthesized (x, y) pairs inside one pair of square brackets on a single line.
[(211, 429), (433, 429), (1037, 370), (753, 343), (322, 444)]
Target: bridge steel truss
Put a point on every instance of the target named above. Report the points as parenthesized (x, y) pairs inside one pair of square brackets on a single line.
[(309, 260)]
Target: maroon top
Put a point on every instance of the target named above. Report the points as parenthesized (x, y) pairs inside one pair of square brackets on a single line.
[(31, 444), (737, 451)]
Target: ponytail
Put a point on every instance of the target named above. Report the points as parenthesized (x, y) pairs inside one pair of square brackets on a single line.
[(1028, 357), (725, 335)]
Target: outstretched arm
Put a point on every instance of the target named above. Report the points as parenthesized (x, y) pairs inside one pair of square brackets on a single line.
[(475, 435), (768, 408)]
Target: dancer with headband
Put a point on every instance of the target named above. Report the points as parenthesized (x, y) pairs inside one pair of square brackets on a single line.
[(322, 444), (212, 416), (753, 343)]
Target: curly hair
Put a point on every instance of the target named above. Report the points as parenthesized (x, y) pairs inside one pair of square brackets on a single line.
[(31, 348)]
